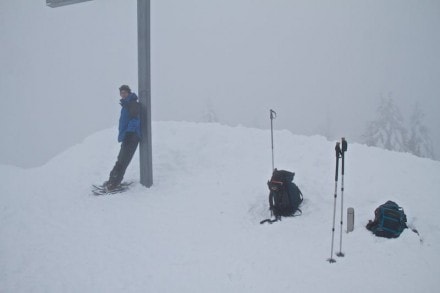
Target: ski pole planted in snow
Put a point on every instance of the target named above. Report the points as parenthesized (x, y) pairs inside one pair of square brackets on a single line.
[(343, 150), (338, 154), (273, 115)]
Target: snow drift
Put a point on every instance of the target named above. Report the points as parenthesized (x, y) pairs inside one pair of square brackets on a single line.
[(197, 229)]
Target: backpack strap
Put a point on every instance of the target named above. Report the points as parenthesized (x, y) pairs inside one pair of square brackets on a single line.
[(270, 221), (271, 202), (301, 196)]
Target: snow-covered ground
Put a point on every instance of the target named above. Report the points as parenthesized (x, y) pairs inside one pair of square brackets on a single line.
[(197, 229)]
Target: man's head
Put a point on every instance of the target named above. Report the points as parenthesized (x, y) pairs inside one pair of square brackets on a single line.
[(124, 91)]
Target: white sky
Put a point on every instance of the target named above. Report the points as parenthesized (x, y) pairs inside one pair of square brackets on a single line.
[(322, 65)]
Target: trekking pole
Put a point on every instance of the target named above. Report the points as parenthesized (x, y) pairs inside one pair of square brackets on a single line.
[(273, 115), (344, 149), (338, 153)]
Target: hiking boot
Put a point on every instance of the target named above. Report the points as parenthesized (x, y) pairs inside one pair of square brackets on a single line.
[(110, 186)]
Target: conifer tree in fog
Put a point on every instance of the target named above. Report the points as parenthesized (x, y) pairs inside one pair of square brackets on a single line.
[(387, 130), (209, 114), (419, 142)]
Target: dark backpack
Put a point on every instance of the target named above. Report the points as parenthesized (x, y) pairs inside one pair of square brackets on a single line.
[(284, 196), (389, 220)]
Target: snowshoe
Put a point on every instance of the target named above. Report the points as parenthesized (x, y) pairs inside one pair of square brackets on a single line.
[(110, 189)]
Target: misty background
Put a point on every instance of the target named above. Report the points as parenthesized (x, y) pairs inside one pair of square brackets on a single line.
[(322, 65)]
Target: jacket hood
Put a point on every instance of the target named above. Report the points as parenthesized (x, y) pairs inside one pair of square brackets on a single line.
[(131, 97)]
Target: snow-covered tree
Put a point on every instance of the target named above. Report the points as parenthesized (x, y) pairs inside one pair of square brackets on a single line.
[(209, 115), (419, 142), (388, 130)]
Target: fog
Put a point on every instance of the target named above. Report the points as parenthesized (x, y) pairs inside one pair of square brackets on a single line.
[(322, 65)]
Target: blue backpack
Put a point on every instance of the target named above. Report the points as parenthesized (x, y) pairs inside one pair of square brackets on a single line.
[(389, 221)]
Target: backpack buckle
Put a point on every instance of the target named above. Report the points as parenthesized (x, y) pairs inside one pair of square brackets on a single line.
[(275, 185)]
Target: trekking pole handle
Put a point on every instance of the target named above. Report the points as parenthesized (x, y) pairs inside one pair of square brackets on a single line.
[(273, 114), (338, 150), (338, 155), (344, 144), (343, 150)]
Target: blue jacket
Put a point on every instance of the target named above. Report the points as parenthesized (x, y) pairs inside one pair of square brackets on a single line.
[(129, 120)]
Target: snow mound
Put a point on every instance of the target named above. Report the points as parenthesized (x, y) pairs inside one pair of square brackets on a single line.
[(197, 229)]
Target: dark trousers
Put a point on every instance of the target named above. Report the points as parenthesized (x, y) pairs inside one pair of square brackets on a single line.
[(128, 148)]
